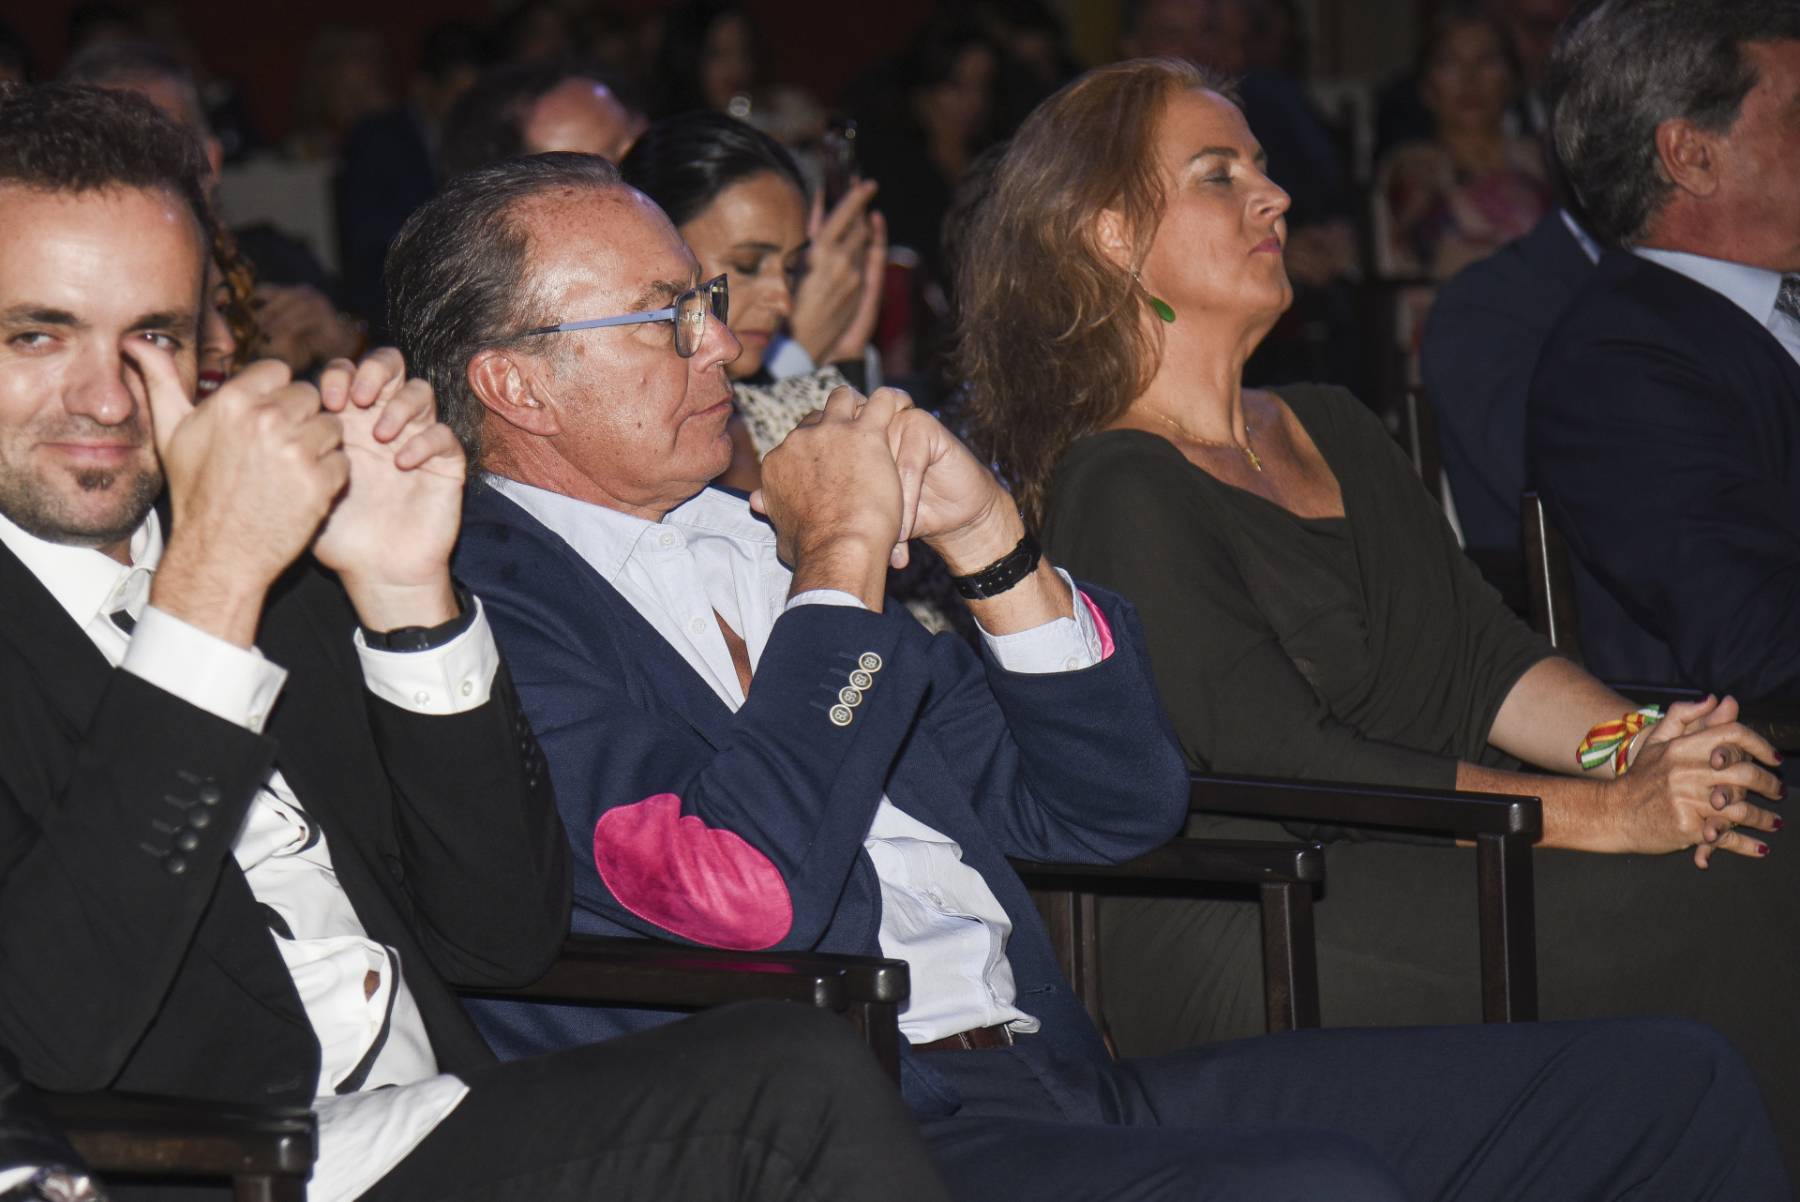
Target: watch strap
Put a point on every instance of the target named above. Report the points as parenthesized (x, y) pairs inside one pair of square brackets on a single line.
[(1003, 573)]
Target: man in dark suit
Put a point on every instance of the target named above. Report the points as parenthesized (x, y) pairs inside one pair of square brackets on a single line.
[(754, 748), (1664, 427), (257, 805), (1480, 348)]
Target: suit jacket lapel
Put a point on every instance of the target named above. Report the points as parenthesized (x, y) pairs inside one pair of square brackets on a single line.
[(656, 668), (70, 670)]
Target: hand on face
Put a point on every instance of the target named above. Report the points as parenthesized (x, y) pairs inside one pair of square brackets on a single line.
[(251, 474), (390, 536), (837, 301)]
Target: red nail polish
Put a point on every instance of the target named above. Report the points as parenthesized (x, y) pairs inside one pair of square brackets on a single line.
[(1778, 824), (1762, 849)]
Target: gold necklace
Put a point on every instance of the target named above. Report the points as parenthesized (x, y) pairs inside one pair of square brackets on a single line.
[(1247, 449)]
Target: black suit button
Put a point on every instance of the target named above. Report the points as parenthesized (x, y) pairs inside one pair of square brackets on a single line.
[(187, 840), (175, 865), (199, 819), (209, 795)]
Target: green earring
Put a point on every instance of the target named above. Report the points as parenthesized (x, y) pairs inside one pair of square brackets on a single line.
[(1162, 308)]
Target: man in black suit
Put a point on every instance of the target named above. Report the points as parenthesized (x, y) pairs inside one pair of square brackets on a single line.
[(1481, 345), (1664, 426), (257, 805)]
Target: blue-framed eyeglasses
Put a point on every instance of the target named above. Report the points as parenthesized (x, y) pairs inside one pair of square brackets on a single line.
[(688, 314)]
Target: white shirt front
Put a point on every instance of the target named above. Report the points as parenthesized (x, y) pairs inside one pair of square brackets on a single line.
[(1751, 289), (710, 553), (367, 1039)]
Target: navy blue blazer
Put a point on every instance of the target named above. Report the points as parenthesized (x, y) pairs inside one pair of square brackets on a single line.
[(1480, 347), (1077, 766), (1664, 433)]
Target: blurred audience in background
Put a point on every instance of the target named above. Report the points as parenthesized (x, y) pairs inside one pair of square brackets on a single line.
[(1472, 186), (344, 79), (391, 162)]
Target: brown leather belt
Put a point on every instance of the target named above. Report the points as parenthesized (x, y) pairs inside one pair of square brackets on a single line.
[(973, 1040)]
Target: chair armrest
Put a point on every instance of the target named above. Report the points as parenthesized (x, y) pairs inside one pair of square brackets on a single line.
[(135, 1134), (1225, 861), (619, 971), (642, 972), (1443, 812)]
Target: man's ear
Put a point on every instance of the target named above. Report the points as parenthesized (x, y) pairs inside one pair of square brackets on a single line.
[(1689, 156), (501, 383), (1111, 236)]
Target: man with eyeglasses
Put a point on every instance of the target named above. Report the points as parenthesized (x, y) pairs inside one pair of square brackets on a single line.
[(753, 749), (265, 788)]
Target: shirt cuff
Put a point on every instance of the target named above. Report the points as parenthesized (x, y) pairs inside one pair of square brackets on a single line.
[(10, 1178), (824, 596), (1059, 645), (789, 358), (230, 682), (452, 679)]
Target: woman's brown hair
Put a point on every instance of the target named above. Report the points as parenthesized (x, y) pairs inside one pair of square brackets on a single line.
[(1049, 343)]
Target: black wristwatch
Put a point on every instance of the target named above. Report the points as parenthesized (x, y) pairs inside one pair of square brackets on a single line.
[(425, 638), (1003, 573)]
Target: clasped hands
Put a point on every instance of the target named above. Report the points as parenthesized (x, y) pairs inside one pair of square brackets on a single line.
[(1690, 782), (358, 467), (856, 481)]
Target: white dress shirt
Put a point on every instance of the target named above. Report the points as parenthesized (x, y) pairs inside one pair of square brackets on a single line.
[(368, 1039), (1751, 289), (711, 553)]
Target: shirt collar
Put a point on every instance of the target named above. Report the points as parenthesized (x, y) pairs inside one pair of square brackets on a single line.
[(606, 538), (80, 578), (1751, 289)]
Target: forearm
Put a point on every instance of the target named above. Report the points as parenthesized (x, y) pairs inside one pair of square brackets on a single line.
[(1548, 713), (1578, 815)]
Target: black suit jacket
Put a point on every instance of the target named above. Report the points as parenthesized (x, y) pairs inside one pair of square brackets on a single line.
[(1664, 432), (1481, 345), (134, 953)]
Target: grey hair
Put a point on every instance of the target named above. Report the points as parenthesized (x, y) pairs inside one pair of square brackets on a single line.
[(1623, 67), (456, 274)]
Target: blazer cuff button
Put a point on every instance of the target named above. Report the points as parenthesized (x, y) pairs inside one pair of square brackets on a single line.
[(840, 715)]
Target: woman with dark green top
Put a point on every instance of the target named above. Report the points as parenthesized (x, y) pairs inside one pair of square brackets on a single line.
[(1309, 614)]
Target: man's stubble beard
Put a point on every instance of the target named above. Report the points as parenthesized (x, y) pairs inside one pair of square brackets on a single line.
[(44, 513)]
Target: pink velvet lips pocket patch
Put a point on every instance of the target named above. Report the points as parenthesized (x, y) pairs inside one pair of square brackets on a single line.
[(702, 884)]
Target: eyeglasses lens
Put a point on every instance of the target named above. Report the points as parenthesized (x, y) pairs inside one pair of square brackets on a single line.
[(691, 312)]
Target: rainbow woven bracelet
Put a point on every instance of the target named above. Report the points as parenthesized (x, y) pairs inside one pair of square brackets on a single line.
[(1612, 740)]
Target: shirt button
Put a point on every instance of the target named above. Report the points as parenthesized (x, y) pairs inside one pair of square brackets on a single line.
[(667, 539), (421, 698), (468, 688), (1070, 664), (935, 898), (698, 625), (258, 717)]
